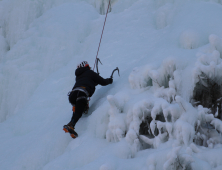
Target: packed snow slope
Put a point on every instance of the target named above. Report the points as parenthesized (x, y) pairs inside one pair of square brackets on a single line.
[(162, 48)]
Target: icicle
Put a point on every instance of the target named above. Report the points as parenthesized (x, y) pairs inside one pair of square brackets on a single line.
[(216, 114)]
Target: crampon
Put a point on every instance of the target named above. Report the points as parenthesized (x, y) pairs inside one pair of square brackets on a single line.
[(70, 130)]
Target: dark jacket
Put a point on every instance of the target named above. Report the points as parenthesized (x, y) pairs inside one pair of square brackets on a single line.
[(89, 79)]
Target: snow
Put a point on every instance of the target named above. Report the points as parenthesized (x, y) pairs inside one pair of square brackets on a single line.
[(163, 48)]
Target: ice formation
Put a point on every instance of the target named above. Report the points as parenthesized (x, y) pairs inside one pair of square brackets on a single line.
[(163, 115), (164, 112)]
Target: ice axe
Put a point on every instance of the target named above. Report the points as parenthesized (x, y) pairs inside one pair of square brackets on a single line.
[(97, 60), (117, 69)]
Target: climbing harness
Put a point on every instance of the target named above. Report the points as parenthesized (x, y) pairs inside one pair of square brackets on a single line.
[(81, 89), (87, 98)]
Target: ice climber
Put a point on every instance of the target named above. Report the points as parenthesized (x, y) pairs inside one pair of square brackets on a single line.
[(86, 81)]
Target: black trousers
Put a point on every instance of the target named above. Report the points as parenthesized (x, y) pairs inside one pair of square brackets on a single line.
[(79, 100)]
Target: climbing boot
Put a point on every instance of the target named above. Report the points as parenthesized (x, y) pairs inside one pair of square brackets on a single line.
[(70, 129)]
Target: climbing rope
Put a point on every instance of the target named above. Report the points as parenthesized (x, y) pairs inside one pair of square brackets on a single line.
[(102, 33)]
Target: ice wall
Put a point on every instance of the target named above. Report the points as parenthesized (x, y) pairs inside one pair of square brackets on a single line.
[(145, 119), (26, 29), (35, 44)]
